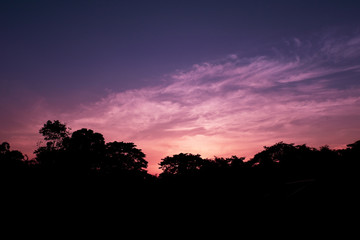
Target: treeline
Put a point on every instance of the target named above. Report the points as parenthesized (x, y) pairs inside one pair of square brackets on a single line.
[(83, 160)]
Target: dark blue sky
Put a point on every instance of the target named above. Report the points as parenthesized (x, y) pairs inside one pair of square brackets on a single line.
[(77, 49)]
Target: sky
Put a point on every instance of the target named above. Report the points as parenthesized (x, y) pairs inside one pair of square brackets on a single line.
[(218, 78)]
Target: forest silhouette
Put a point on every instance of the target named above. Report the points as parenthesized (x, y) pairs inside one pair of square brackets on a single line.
[(81, 165)]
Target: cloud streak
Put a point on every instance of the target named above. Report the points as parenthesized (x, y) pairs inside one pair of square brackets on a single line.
[(236, 105)]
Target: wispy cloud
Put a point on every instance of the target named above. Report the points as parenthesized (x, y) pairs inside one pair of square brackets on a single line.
[(344, 48), (236, 105)]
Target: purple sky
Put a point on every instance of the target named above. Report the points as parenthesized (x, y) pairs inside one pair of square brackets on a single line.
[(209, 77)]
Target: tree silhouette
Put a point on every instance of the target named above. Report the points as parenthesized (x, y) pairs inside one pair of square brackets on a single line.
[(272, 156), (85, 151), (281, 173), (232, 162), (181, 164), (350, 162), (121, 156), (354, 146), (52, 156), (352, 153), (10, 159), (54, 133)]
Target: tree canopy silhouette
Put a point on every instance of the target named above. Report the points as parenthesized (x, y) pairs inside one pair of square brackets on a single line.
[(122, 156), (10, 159), (283, 172), (84, 152), (54, 133), (181, 164)]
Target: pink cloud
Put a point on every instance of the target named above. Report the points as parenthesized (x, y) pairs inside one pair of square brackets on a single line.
[(226, 107), (340, 49)]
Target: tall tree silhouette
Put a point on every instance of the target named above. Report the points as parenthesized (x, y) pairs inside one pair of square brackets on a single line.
[(54, 133), (85, 151), (51, 156)]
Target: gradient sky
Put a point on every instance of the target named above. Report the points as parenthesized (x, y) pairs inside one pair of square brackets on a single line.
[(210, 77)]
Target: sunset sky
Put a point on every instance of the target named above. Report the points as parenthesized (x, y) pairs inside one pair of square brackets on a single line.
[(210, 77)]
